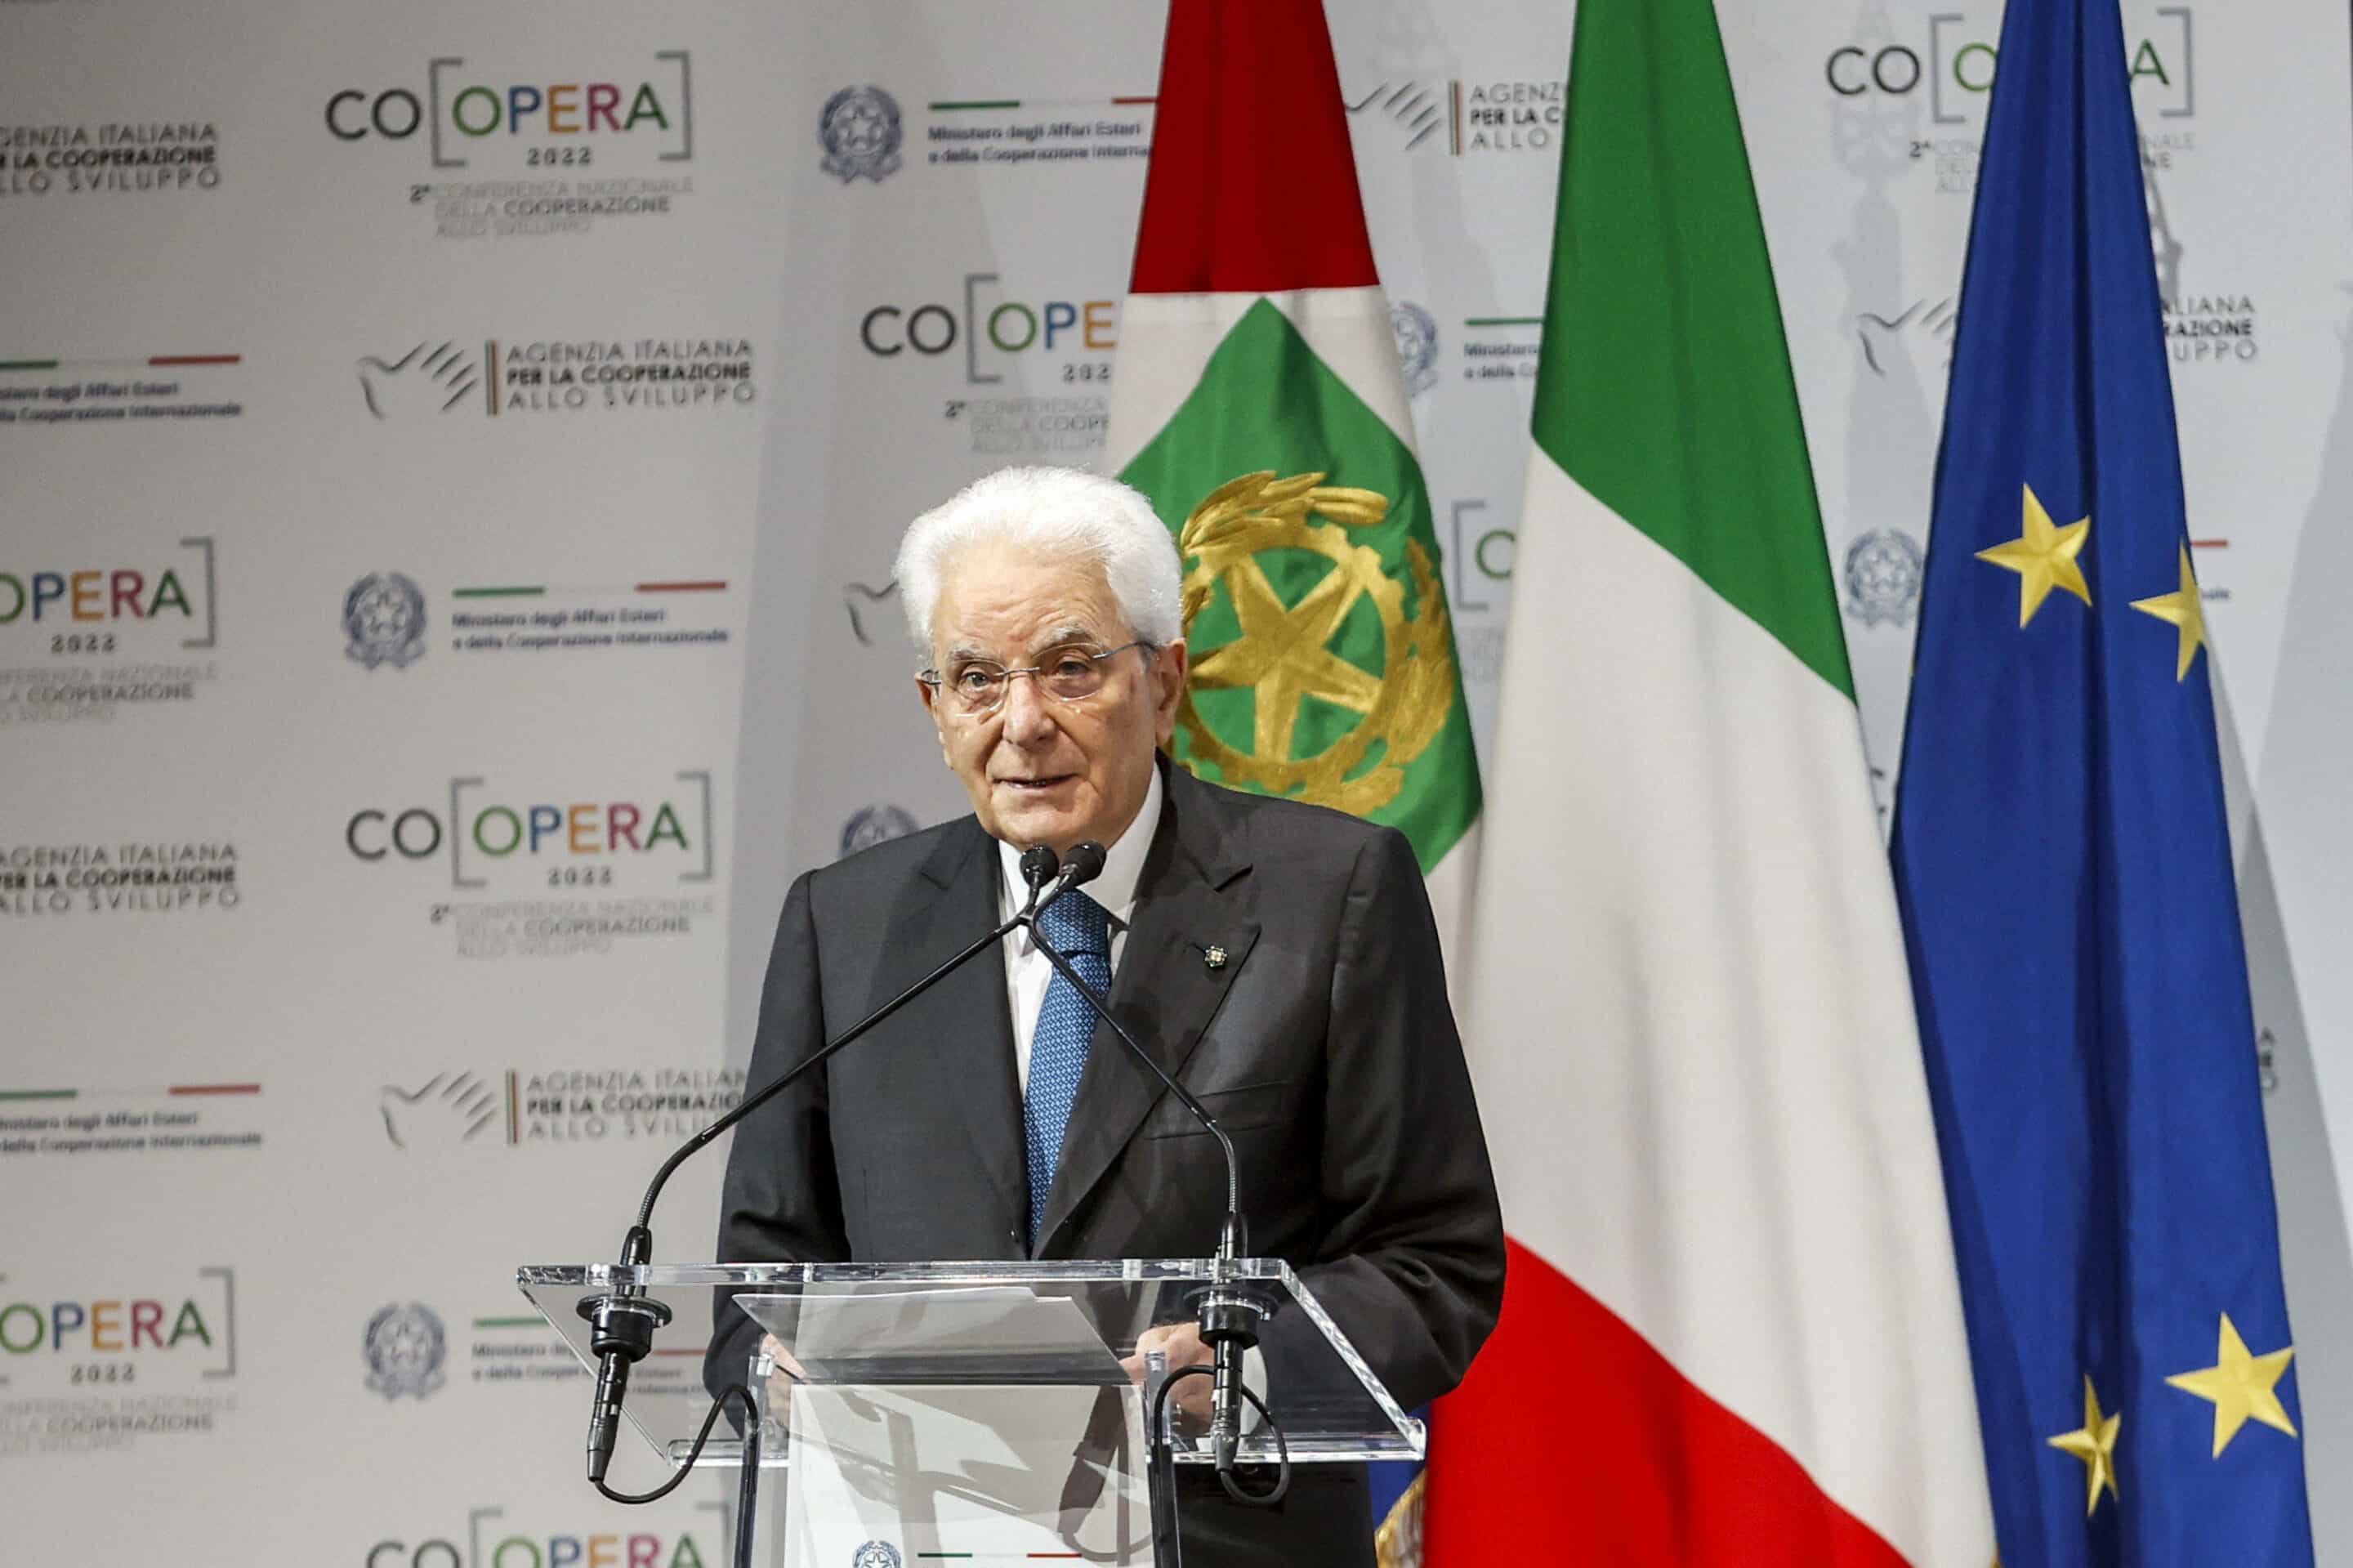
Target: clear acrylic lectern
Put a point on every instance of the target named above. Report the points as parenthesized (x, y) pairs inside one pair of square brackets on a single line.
[(938, 1410)]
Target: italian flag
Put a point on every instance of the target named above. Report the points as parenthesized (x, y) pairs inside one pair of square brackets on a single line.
[(1732, 1332), (1256, 354)]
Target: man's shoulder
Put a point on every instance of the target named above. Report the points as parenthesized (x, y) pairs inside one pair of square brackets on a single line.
[(1288, 832)]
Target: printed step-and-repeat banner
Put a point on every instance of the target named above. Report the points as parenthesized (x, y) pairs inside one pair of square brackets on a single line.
[(451, 465)]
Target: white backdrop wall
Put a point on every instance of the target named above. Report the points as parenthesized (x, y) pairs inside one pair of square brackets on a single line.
[(508, 425)]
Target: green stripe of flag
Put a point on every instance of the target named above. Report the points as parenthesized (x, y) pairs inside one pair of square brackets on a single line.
[(497, 592), (39, 1094), (1265, 401), (1663, 384)]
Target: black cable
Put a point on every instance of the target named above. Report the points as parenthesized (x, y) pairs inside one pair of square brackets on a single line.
[(1281, 1447), (751, 1450)]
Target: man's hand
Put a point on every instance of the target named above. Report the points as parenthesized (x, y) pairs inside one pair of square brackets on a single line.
[(781, 1378), (1181, 1344)]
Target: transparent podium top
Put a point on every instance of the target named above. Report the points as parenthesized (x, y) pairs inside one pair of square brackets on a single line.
[(995, 1323)]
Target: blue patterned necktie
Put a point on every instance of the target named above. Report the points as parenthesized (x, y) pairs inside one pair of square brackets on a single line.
[(1080, 929)]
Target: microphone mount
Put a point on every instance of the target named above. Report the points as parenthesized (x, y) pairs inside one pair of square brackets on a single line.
[(1229, 1311)]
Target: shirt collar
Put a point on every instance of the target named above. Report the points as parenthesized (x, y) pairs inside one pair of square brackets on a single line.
[(1123, 860)]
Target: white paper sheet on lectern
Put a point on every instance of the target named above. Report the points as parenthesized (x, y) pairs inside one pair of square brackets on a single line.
[(995, 1472)]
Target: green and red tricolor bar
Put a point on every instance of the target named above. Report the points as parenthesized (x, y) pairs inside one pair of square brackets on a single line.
[(153, 362), (542, 591), (159, 1091), (972, 105)]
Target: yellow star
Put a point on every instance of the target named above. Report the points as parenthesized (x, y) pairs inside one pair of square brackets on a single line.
[(2186, 610), (2043, 557), (2240, 1387), (2095, 1444), (1283, 654)]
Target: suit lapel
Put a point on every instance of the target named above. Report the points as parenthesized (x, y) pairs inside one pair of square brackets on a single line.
[(1193, 895), (969, 1064)]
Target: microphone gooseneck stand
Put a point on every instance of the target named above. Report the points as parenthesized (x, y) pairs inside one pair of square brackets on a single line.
[(623, 1319), (1229, 1312)]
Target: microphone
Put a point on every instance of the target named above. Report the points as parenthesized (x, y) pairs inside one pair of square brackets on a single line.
[(623, 1318), (1038, 868), (1086, 863), (1229, 1314)]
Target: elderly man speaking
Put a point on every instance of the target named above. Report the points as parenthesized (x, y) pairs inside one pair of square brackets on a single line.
[(1282, 953)]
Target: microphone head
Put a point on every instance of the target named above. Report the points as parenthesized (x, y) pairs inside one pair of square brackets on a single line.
[(1086, 863), (1039, 864)]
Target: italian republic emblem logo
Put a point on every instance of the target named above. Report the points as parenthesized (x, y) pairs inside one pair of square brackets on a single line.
[(875, 1555), (861, 129), (405, 1348), (384, 618), (871, 825), (1285, 654), (1416, 331), (1883, 572)]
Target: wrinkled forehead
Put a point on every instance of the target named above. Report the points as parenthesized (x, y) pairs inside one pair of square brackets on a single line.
[(1001, 599)]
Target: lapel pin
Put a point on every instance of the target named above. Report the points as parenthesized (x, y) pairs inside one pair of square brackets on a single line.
[(1213, 957)]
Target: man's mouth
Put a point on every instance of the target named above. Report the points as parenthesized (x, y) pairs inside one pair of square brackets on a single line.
[(1037, 786)]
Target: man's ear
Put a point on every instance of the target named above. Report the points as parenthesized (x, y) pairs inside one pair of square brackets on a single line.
[(1169, 670)]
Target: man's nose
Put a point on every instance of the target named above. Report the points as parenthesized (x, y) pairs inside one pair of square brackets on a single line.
[(1029, 713)]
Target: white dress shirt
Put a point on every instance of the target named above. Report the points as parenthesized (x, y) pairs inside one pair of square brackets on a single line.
[(1027, 972)]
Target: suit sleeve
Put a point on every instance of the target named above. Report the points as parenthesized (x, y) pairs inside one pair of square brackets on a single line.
[(1412, 1262), (782, 1199)]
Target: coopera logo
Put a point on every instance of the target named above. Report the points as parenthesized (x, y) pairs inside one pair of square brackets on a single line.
[(572, 840), (1954, 65), (172, 1335), (990, 323), (113, 1327), (144, 596), (97, 594), (463, 110), (553, 1549)]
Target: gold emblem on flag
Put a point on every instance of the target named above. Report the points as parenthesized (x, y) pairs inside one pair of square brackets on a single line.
[(1285, 653)]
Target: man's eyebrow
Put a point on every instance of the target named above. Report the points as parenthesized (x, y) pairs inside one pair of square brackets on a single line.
[(1062, 636)]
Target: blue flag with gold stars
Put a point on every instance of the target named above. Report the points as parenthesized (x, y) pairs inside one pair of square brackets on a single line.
[(2065, 866)]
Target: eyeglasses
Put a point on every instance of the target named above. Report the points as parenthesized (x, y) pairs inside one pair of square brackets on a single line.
[(976, 687)]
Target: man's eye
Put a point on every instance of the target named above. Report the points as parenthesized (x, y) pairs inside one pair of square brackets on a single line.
[(1073, 664), (975, 680)]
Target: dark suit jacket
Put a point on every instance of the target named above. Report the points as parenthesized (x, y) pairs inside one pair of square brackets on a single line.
[(1324, 1045)]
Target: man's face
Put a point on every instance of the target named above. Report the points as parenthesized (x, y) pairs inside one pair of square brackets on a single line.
[(1039, 771)]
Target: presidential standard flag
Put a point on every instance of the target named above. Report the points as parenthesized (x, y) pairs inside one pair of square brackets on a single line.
[(1732, 1332), (1261, 405), (2065, 870)]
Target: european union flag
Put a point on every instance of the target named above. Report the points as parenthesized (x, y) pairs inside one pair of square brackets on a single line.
[(2065, 872)]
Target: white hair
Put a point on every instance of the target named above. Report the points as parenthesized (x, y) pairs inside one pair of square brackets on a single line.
[(1065, 514)]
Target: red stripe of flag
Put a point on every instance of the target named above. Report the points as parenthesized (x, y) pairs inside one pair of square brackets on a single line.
[(1253, 184), (1574, 1440), (214, 1089), (195, 359)]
